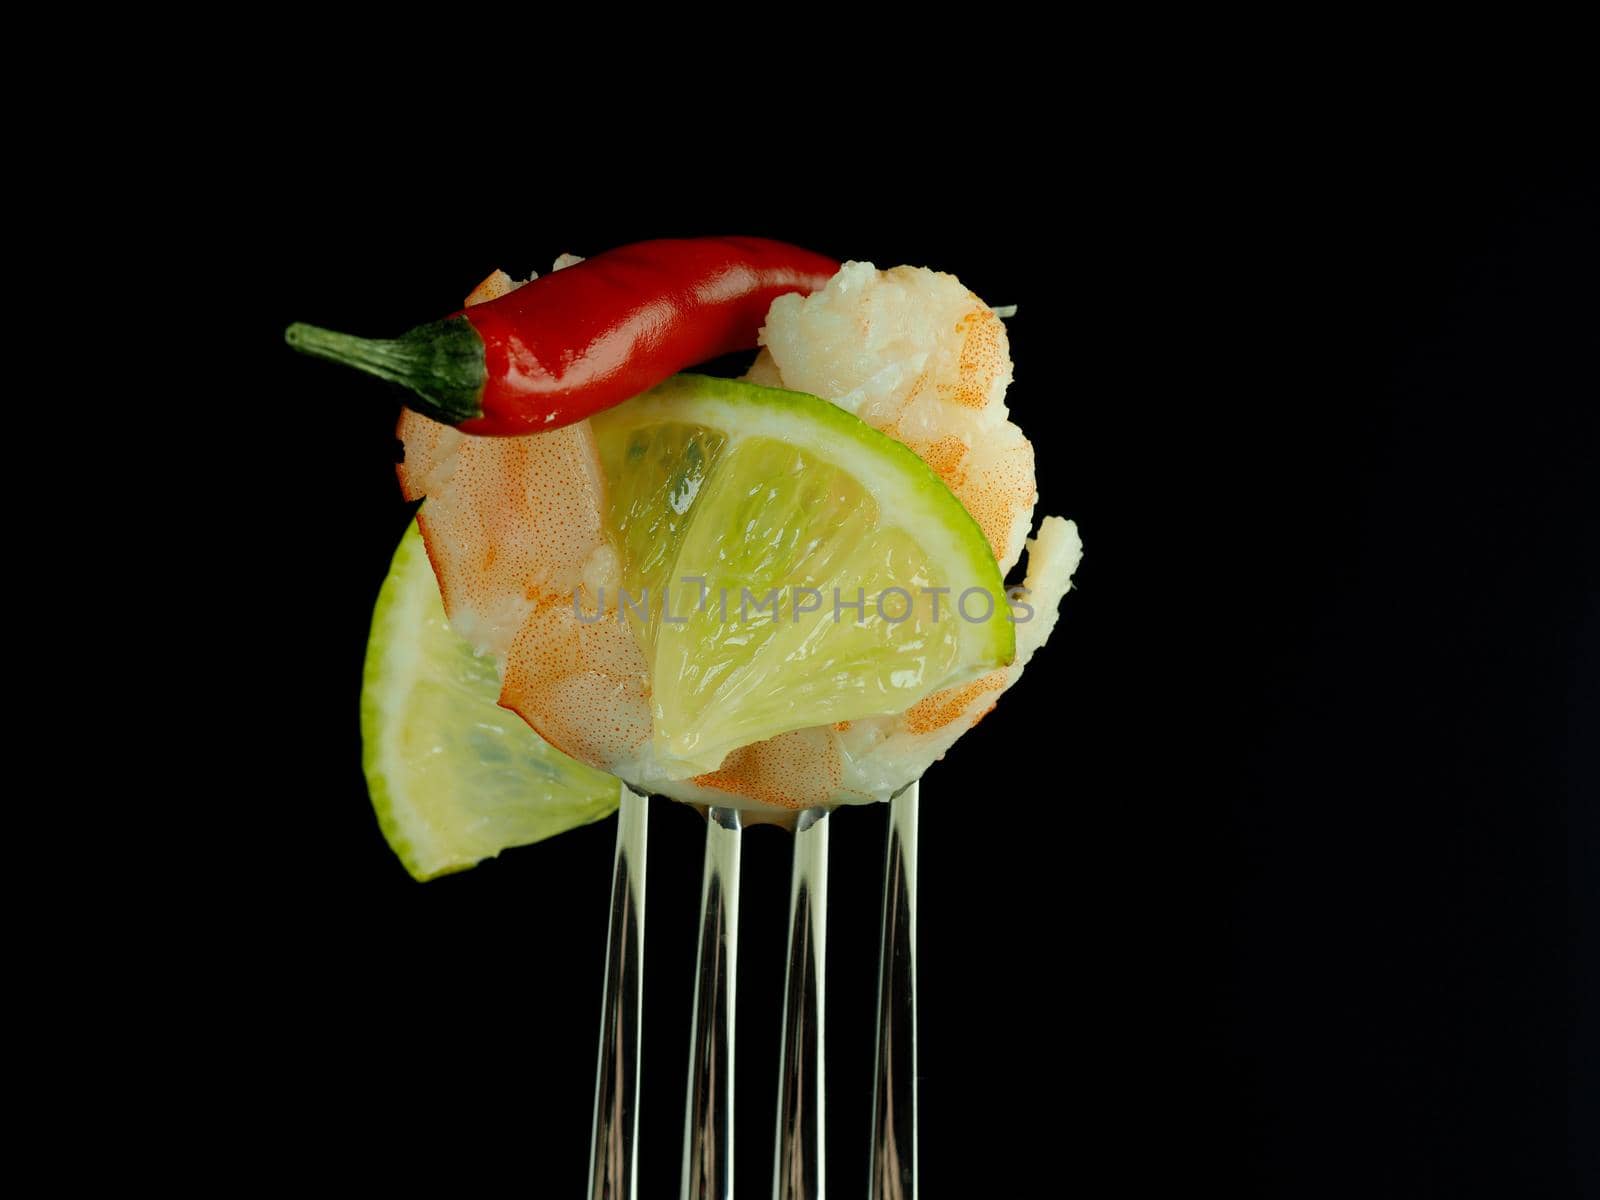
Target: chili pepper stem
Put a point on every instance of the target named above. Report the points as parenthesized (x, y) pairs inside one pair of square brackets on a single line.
[(442, 363)]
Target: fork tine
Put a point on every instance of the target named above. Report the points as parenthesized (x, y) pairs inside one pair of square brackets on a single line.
[(708, 1116), (894, 1088), (799, 1171), (613, 1139)]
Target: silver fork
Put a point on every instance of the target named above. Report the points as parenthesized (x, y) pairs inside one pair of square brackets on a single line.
[(799, 1170), (708, 1112), (894, 1082), (799, 1164), (614, 1135)]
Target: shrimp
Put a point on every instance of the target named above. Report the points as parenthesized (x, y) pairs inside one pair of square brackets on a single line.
[(513, 529), (919, 357)]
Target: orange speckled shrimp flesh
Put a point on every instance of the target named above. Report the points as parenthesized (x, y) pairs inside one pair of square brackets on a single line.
[(513, 527)]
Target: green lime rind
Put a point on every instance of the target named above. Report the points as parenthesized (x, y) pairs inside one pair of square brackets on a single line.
[(721, 492), (903, 484), (453, 777)]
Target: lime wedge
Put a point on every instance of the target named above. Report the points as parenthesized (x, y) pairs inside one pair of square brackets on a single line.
[(455, 778), (785, 566)]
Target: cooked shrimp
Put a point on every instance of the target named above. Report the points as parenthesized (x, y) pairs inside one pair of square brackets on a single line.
[(513, 528), (919, 357)]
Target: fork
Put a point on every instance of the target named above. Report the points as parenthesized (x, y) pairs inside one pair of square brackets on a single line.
[(799, 1158)]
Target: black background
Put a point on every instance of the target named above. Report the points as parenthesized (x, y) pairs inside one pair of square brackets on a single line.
[(1267, 876)]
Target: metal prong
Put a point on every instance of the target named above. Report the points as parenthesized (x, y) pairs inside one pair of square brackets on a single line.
[(799, 1172), (894, 1089), (708, 1119), (613, 1141)]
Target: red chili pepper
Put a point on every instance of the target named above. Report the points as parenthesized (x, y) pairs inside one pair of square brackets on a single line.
[(585, 338)]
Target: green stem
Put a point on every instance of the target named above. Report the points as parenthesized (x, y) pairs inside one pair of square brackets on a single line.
[(442, 363)]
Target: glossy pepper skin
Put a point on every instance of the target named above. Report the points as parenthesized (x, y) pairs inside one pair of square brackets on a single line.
[(586, 338)]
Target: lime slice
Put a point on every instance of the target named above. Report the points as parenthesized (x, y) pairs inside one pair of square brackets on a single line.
[(785, 565), (455, 778)]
